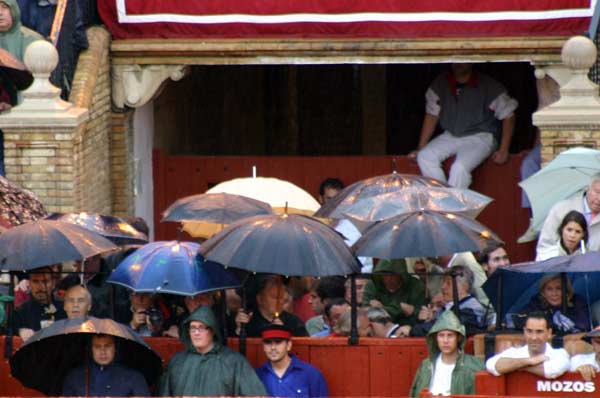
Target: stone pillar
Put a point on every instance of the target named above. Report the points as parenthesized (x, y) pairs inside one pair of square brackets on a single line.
[(573, 120), (40, 135)]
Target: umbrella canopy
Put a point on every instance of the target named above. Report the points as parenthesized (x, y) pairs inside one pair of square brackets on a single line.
[(172, 267), (510, 288), (290, 245), (374, 186), (277, 193), (115, 229), (47, 242), (423, 234), (569, 173), (18, 206), (44, 360), (376, 208), (205, 214)]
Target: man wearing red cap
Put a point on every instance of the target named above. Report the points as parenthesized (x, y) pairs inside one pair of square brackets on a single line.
[(284, 375)]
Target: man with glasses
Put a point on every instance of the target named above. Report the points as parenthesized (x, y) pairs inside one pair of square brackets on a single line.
[(206, 367), (284, 375)]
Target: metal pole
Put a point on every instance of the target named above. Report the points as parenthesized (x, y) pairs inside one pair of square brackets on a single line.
[(353, 340), (10, 308), (243, 331), (499, 298), (455, 308)]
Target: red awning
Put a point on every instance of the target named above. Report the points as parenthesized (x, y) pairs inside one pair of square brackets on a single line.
[(129, 19)]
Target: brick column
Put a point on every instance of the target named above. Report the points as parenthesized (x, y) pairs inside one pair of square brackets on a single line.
[(40, 136)]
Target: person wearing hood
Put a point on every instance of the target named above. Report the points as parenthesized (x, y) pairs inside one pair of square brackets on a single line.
[(394, 290), (103, 377), (447, 370), (13, 36), (206, 367)]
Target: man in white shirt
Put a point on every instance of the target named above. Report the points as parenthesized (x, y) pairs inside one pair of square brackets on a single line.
[(537, 356), (588, 364)]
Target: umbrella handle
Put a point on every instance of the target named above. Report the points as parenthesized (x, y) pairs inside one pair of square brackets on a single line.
[(243, 331), (8, 343)]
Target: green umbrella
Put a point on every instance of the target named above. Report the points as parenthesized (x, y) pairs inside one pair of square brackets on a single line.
[(568, 174)]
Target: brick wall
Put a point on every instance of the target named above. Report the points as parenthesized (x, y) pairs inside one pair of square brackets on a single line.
[(121, 162)]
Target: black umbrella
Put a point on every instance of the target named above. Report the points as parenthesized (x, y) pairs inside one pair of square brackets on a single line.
[(44, 360), (424, 234), (289, 245), (115, 229), (46, 242)]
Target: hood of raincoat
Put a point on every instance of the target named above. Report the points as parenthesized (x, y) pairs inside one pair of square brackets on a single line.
[(446, 321), (397, 267), (206, 316)]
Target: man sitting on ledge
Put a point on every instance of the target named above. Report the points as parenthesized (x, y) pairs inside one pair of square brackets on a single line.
[(537, 356)]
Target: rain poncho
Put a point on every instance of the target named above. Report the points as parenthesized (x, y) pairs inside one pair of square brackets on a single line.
[(411, 291), (18, 37), (463, 375), (220, 372)]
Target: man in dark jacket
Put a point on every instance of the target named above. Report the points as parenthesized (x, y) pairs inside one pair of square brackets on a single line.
[(104, 378), (206, 367)]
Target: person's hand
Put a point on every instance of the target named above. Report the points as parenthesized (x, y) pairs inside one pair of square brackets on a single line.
[(587, 372), (173, 331), (277, 321), (500, 156), (403, 331), (425, 314), (376, 303), (538, 359), (407, 309), (242, 317), (139, 318), (4, 106)]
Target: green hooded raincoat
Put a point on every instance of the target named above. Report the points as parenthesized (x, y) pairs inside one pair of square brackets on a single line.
[(463, 375), (16, 40), (411, 291), (220, 372)]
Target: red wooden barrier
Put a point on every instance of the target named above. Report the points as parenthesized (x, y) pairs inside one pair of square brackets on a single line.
[(528, 385), (179, 176)]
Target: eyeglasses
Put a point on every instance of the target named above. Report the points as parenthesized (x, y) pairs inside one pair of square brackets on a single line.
[(199, 329)]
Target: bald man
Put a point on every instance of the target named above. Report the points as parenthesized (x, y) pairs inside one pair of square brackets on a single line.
[(78, 302)]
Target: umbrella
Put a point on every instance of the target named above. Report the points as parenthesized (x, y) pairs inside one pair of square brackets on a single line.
[(44, 360), (569, 173), (290, 245), (414, 198), (374, 186), (279, 194), (172, 267), (47, 242), (115, 229), (18, 206), (205, 214), (423, 234), (510, 288)]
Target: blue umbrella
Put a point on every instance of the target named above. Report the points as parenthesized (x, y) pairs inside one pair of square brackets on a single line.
[(172, 267), (512, 287)]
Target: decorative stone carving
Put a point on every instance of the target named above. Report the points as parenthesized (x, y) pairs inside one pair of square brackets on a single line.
[(135, 85)]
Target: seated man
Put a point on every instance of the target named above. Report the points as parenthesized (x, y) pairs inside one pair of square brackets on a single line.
[(537, 356), (284, 375), (269, 300), (361, 283), (394, 290), (147, 316), (103, 377), (447, 370), (343, 327), (78, 302), (42, 310), (492, 257), (381, 325), (333, 311), (321, 293), (472, 314), (588, 364)]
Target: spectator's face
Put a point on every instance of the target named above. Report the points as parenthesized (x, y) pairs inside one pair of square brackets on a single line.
[(201, 336), (103, 349), (552, 292), (6, 20), (315, 302), (363, 325), (335, 312), (41, 287), (77, 303), (392, 282), (447, 341), (276, 349), (537, 334), (593, 197), (447, 289), (270, 300), (571, 235), (288, 302), (377, 329), (193, 302), (496, 258), (461, 70), (420, 267), (328, 194), (141, 301), (360, 290)]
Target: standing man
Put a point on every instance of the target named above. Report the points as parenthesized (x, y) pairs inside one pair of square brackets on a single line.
[(537, 356), (588, 364), (447, 370), (284, 375), (477, 116), (206, 367), (103, 377)]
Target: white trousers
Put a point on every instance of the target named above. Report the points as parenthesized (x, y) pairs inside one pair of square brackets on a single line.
[(470, 151)]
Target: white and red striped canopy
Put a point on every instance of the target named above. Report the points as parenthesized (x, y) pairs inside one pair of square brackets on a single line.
[(344, 18)]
